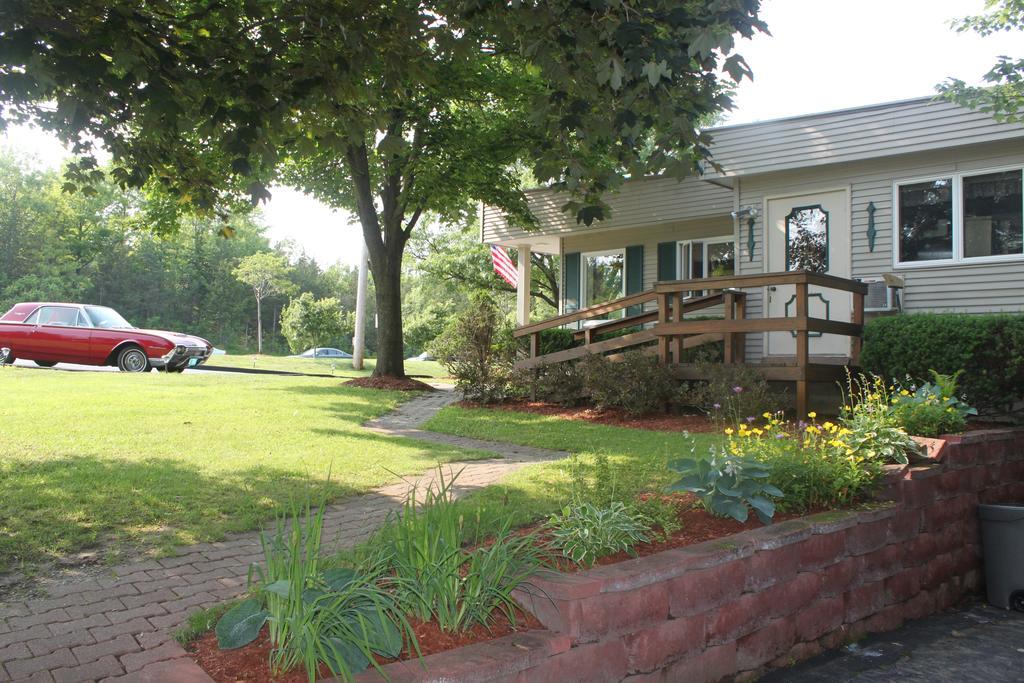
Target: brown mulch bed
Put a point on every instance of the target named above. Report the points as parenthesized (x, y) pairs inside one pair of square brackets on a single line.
[(390, 383), (252, 662), (659, 422)]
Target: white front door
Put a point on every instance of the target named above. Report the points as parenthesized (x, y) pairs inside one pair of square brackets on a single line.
[(809, 232)]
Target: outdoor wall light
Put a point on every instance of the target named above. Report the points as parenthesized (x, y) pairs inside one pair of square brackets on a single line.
[(750, 213)]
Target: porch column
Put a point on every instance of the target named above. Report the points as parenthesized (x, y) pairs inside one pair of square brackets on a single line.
[(523, 285)]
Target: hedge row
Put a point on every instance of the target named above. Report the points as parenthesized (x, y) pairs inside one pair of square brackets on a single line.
[(988, 348)]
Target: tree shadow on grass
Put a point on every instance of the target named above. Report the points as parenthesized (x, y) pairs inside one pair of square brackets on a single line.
[(50, 508)]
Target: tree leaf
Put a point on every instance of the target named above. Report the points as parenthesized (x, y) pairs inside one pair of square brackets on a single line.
[(241, 624)]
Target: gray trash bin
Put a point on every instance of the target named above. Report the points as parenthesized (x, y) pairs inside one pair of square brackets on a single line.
[(1002, 542)]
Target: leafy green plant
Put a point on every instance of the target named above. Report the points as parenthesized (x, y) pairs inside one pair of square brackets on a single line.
[(638, 384), (584, 532), (661, 514), (335, 617), (478, 350), (436, 578), (729, 394), (932, 408), (558, 383), (728, 485), (873, 432)]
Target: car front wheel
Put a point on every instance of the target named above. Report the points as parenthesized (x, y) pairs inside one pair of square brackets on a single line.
[(132, 359), (45, 363)]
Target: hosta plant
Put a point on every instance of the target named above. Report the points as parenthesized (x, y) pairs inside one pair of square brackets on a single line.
[(728, 485), (584, 532)]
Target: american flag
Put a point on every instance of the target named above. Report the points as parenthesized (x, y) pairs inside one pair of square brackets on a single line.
[(503, 265)]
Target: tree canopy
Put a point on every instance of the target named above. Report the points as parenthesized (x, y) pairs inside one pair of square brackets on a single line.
[(1003, 97), (391, 108)]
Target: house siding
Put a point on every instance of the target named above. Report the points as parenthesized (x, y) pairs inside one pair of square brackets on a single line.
[(642, 202), (845, 136)]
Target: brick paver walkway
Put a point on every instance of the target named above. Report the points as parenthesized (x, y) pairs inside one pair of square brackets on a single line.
[(118, 627)]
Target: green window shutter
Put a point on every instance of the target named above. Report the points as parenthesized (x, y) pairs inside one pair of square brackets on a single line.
[(634, 275), (667, 254), (571, 282)]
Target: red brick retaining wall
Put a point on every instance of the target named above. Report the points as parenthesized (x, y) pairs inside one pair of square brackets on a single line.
[(764, 598)]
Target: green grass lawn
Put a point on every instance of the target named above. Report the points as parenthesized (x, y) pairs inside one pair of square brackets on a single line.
[(339, 368), (638, 458), (155, 460)]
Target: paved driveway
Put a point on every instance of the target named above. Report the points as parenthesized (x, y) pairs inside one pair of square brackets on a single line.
[(979, 644), (74, 367)]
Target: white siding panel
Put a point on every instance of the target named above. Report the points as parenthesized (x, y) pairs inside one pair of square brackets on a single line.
[(868, 132)]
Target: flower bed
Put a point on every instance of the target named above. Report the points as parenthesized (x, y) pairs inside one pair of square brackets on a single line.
[(761, 598)]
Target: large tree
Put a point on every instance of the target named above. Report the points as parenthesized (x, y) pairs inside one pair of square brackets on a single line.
[(392, 108), (1003, 96)]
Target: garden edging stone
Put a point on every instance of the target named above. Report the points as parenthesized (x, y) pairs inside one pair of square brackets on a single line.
[(734, 607)]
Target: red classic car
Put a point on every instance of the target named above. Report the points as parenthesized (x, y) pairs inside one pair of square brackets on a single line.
[(51, 333)]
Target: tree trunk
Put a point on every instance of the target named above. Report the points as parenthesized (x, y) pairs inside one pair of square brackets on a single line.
[(259, 327), (387, 278)]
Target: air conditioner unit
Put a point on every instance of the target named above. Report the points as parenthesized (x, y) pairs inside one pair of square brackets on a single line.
[(881, 296)]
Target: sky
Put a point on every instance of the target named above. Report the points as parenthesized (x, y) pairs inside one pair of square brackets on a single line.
[(821, 55)]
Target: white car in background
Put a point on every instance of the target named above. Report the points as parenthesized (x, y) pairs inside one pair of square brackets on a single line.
[(324, 352)]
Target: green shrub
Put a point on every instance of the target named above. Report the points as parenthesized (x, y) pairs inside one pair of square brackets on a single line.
[(988, 348), (558, 383), (638, 384), (556, 339), (478, 350), (584, 532), (729, 393)]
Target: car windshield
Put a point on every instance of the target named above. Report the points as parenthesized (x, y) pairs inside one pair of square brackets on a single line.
[(107, 318)]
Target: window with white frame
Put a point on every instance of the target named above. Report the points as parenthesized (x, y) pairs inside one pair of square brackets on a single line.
[(961, 217), (603, 278), (711, 257)]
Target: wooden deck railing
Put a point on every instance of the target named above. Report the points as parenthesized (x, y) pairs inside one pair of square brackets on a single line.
[(672, 333)]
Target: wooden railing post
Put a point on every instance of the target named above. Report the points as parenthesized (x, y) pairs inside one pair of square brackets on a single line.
[(534, 344), (677, 316), (588, 336), (740, 352), (858, 319), (663, 317), (802, 349), (729, 338)]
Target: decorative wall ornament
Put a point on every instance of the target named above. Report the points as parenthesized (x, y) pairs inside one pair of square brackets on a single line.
[(750, 235), (871, 226)]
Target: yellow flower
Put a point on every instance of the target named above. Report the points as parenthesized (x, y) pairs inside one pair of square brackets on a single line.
[(729, 431), (812, 415), (766, 415), (904, 392), (829, 426), (759, 432)]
